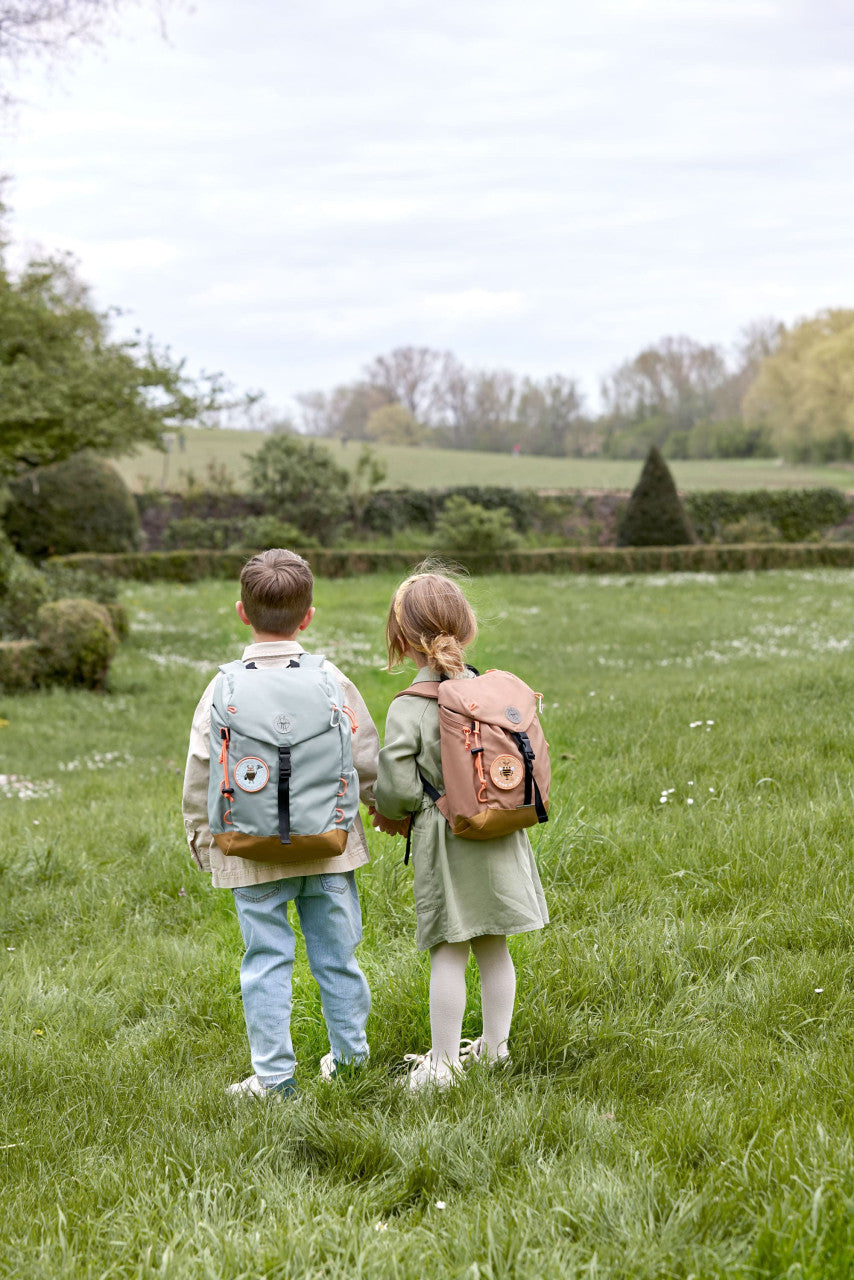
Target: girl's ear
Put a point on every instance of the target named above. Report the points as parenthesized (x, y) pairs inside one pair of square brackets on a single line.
[(241, 613), (307, 619)]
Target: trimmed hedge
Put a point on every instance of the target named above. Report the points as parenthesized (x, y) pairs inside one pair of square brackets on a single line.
[(797, 513), (191, 566), (569, 515)]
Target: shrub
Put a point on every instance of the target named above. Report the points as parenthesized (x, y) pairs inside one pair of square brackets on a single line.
[(81, 504), (655, 516), (300, 481), (259, 532), (20, 665), (749, 529), (76, 642), (197, 532), (796, 514), (466, 526), (23, 590)]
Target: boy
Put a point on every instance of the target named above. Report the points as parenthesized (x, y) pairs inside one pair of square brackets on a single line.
[(276, 603)]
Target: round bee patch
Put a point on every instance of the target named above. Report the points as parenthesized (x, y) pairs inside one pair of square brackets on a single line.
[(251, 774), (506, 772)]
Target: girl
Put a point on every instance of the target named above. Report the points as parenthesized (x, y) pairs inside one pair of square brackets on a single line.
[(466, 895)]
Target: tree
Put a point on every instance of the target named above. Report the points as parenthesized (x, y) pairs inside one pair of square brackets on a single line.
[(52, 28), (413, 377), (655, 516), (67, 385), (393, 424), (677, 380), (804, 392), (300, 482), (342, 412), (547, 413)]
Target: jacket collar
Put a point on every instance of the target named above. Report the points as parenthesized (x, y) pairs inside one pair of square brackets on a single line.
[(272, 649)]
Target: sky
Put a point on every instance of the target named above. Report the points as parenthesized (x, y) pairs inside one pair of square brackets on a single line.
[(282, 191)]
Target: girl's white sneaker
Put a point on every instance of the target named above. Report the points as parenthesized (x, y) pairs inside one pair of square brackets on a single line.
[(476, 1051), (424, 1073)]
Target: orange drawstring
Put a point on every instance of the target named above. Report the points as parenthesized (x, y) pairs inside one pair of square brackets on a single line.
[(351, 716), (223, 760), (475, 730)]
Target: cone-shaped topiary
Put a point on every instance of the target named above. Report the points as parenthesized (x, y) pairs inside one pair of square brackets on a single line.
[(655, 516), (81, 504)]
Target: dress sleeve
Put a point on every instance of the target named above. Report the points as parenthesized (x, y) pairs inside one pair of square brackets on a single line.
[(399, 787), (196, 775)]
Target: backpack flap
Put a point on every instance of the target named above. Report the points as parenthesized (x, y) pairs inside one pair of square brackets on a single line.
[(283, 787)]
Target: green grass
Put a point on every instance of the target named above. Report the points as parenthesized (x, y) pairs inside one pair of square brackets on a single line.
[(438, 468), (684, 1035)]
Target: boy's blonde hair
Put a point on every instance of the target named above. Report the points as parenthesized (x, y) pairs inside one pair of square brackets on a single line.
[(430, 614), (276, 590)]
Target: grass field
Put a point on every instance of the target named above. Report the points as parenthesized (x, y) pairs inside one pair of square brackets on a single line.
[(684, 1036), (438, 468)]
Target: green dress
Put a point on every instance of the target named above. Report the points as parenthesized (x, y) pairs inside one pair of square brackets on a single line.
[(463, 888)]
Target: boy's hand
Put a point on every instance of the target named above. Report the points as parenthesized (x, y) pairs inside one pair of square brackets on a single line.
[(389, 825)]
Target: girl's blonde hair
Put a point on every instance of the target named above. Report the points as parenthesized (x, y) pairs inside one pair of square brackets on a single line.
[(430, 614)]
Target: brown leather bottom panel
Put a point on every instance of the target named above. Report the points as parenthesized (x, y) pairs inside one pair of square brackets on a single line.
[(491, 823), (270, 848)]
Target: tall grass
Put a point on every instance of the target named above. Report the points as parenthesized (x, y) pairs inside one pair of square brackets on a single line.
[(682, 1098)]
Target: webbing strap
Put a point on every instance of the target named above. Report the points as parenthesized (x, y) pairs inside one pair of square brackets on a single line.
[(532, 791), (284, 795), (432, 794)]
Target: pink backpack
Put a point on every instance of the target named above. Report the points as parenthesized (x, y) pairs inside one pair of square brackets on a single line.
[(495, 760)]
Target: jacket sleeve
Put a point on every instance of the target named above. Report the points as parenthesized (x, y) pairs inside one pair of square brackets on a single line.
[(196, 776), (399, 787), (365, 742)]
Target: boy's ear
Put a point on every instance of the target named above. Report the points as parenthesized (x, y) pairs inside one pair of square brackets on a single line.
[(241, 613), (307, 619)]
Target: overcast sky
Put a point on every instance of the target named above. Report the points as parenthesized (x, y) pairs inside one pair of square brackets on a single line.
[(283, 190)]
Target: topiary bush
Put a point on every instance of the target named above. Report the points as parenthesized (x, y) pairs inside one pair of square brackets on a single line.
[(20, 665), (655, 516), (76, 642), (81, 504), (466, 526)]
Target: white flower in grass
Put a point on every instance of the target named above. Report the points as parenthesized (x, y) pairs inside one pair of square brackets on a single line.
[(818, 990), (689, 800), (380, 1226), (440, 1204)]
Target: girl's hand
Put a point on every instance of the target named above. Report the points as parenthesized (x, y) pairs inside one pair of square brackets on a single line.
[(389, 825)]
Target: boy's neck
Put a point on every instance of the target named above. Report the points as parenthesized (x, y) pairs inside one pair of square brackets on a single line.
[(270, 637)]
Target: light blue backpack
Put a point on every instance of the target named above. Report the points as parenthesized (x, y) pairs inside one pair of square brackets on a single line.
[(282, 783)]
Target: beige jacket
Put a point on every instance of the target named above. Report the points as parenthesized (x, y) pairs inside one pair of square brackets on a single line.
[(232, 872)]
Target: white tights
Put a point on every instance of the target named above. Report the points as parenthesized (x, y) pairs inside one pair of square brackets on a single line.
[(448, 995)]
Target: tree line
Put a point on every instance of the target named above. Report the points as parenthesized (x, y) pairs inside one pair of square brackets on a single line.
[(786, 391)]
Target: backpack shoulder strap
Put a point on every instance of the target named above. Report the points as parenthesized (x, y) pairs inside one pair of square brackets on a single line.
[(421, 689), (308, 660)]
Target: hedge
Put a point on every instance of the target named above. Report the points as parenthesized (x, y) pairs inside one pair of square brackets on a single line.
[(191, 566), (571, 515), (797, 513)]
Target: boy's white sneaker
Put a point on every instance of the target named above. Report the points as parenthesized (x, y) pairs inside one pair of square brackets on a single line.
[(476, 1051), (426, 1074), (332, 1069), (252, 1087)]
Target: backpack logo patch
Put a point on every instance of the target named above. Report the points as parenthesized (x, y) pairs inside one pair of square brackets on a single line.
[(251, 774), (283, 724), (513, 714), (506, 772)]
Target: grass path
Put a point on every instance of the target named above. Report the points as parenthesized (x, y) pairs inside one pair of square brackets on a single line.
[(684, 1033), (438, 468)]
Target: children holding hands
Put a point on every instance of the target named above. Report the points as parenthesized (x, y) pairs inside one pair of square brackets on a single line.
[(468, 896)]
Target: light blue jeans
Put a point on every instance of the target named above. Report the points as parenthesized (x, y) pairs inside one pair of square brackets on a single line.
[(331, 922)]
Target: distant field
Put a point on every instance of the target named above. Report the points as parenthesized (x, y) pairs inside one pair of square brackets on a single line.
[(437, 468)]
